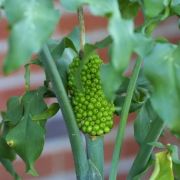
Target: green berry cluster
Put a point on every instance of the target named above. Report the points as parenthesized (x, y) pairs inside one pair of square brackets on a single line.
[(94, 114)]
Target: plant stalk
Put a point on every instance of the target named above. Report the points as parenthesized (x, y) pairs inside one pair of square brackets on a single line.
[(79, 154), (94, 147), (82, 30), (145, 151), (95, 153), (124, 117)]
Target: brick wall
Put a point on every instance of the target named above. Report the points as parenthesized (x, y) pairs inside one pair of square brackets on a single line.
[(56, 161)]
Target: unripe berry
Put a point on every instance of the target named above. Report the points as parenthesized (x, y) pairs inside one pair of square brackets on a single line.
[(93, 112)]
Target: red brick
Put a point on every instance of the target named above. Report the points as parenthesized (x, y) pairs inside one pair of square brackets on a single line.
[(129, 148), (92, 23), (4, 31)]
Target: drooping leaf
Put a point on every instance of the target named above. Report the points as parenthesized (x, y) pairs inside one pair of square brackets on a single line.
[(9, 167), (162, 68), (31, 23), (51, 111), (14, 111), (27, 137), (163, 169)]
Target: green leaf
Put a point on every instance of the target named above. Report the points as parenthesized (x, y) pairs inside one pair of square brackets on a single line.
[(64, 51), (9, 167), (162, 68), (142, 173), (175, 6), (142, 44), (143, 122), (63, 63), (5, 151), (51, 111), (27, 137), (14, 111), (122, 34), (157, 145), (128, 9), (175, 159), (31, 23), (104, 43), (59, 49), (74, 37), (163, 167), (153, 8)]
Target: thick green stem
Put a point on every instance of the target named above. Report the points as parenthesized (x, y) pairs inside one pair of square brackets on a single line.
[(145, 151), (122, 124), (95, 153), (80, 158)]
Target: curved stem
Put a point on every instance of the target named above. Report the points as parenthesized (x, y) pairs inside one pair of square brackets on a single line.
[(145, 151), (124, 117), (80, 159), (82, 30), (95, 153)]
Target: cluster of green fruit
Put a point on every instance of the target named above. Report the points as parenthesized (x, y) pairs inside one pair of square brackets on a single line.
[(94, 114)]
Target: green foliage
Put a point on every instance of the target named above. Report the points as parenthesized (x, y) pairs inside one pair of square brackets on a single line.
[(14, 111), (34, 19), (143, 122), (175, 159), (64, 51), (154, 8), (24, 135), (94, 86), (165, 100), (48, 113), (175, 6), (163, 167), (92, 110), (5, 151), (128, 9), (8, 166)]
